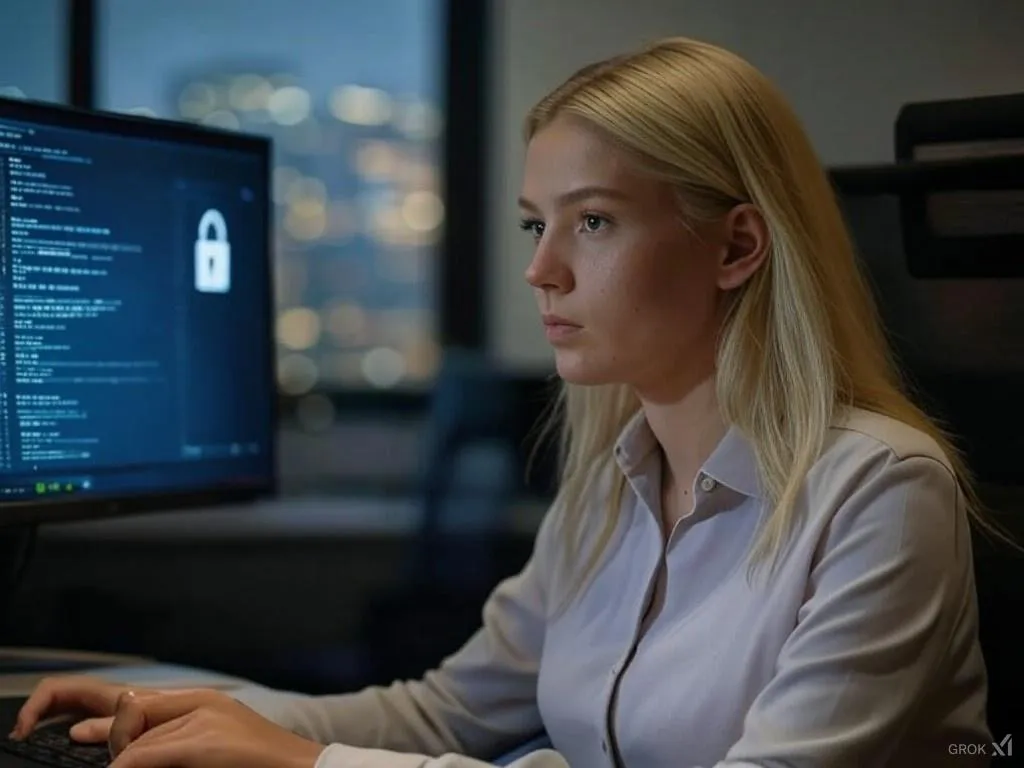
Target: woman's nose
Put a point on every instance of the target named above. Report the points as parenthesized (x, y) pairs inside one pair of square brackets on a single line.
[(547, 271)]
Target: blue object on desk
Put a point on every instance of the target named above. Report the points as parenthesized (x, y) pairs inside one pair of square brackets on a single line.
[(541, 742)]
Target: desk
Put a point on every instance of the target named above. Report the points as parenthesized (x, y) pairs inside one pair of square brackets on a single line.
[(299, 517), (129, 670)]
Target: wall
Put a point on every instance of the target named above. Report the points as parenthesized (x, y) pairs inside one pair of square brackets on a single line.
[(847, 67)]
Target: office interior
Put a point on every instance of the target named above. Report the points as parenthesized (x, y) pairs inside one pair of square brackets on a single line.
[(411, 369)]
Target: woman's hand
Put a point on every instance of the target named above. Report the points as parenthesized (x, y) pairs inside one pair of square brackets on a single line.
[(201, 728), (72, 694), (157, 729)]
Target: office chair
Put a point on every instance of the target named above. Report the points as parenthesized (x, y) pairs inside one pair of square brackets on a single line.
[(952, 298), (470, 475), (469, 472), (998, 574)]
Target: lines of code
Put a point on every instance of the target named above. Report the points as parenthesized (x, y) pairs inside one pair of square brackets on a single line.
[(67, 349), (6, 342)]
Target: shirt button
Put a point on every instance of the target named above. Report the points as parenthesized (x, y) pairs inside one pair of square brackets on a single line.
[(707, 484)]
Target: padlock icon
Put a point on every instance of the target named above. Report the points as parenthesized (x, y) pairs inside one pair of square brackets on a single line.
[(213, 254)]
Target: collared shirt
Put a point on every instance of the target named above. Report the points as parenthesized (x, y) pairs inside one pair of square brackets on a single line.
[(861, 649)]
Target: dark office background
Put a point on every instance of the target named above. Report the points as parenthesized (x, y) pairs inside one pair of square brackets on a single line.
[(412, 372)]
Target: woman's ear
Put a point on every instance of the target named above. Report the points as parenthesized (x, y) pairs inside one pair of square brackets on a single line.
[(746, 240)]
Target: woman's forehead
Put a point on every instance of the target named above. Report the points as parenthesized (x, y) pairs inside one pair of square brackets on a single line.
[(566, 156)]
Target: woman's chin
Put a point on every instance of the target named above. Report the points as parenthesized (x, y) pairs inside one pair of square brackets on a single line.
[(575, 368)]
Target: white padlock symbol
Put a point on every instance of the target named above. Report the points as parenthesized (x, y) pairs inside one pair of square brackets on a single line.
[(213, 254)]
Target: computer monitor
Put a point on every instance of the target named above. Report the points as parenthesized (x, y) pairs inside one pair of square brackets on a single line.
[(136, 363)]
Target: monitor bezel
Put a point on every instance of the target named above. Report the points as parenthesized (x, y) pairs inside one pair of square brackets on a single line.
[(62, 509)]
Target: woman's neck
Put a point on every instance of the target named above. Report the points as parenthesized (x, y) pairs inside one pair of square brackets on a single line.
[(688, 430)]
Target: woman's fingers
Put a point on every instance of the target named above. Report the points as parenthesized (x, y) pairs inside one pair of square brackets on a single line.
[(158, 734), (63, 695), (136, 715), (95, 730)]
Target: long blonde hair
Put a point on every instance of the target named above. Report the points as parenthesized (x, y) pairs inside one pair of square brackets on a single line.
[(802, 339)]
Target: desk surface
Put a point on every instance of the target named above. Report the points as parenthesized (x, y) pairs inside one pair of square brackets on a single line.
[(298, 517), (130, 670)]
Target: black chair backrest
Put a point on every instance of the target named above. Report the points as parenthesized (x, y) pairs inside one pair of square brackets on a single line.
[(958, 128), (998, 572), (959, 335)]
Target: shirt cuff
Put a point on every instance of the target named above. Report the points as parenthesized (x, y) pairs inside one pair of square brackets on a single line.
[(344, 756)]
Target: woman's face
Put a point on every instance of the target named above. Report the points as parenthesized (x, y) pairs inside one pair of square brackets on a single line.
[(628, 292)]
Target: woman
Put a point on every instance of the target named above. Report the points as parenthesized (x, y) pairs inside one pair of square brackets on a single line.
[(759, 555)]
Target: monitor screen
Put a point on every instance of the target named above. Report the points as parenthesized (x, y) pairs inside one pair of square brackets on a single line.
[(136, 367)]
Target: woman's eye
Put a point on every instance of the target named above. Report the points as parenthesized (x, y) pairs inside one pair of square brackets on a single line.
[(594, 223), (533, 226)]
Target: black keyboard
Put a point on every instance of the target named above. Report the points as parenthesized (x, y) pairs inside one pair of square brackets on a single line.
[(55, 748)]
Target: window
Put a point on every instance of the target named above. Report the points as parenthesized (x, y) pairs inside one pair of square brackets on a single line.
[(32, 49), (350, 91)]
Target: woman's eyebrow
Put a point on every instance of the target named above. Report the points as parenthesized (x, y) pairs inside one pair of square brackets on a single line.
[(579, 195)]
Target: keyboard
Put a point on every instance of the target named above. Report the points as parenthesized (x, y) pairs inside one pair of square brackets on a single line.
[(55, 748)]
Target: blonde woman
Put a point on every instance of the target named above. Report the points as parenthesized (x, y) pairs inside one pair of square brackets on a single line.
[(759, 555)]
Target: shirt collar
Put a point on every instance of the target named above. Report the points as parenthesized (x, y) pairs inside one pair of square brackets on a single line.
[(732, 463)]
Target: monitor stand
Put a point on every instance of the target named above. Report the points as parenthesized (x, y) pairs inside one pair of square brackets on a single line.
[(16, 547)]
